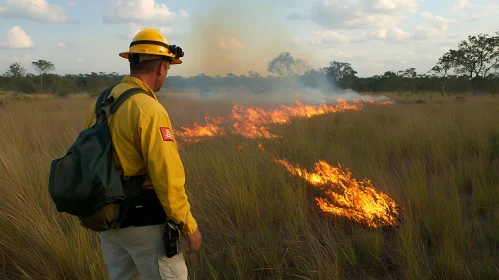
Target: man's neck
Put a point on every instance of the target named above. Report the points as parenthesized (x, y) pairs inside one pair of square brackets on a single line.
[(146, 79)]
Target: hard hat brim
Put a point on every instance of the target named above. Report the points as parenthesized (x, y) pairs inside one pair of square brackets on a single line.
[(174, 59)]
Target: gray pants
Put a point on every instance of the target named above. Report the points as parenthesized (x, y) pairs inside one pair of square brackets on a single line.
[(135, 251)]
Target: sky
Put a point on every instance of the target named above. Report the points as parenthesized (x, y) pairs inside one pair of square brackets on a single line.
[(226, 36)]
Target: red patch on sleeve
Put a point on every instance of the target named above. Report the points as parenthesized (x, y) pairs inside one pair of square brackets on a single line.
[(166, 133)]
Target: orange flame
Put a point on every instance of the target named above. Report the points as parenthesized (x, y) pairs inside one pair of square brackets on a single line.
[(196, 132), (348, 197), (255, 122)]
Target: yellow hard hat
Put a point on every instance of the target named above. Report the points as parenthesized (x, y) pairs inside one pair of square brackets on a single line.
[(150, 41)]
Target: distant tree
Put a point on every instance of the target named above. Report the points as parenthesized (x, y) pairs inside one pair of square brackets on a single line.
[(282, 65), (15, 70), (300, 67), (285, 65), (408, 73), (476, 57), (339, 70), (42, 67), (254, 75), (441, 70), (410, 76), (390, 81)]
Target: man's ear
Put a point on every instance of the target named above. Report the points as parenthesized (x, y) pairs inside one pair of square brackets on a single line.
[(160, 67)]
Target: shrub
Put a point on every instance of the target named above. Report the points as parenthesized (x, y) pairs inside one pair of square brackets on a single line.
[(62, 93)]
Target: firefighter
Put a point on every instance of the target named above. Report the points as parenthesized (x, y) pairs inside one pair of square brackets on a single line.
[(144, 144)]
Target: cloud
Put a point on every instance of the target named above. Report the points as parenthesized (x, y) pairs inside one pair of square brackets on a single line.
[(351, 14), (80, 60), (124, 11), (427, 15), (326, 38), (16, 38), (424, 32), (461, 4), (439, 22), (184, 14), (24, 59), (329, 37), (166, 30), (71, 3), (229, 43), (332, 38), (393, 33), (62, 45), (480, 13), (134, 28), (405, 58), (341, 55), (37, 10)]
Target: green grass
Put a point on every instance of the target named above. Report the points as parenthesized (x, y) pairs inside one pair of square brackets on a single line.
[(438, 159)]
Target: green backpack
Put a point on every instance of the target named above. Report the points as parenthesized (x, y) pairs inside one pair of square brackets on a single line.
[(84, 182)]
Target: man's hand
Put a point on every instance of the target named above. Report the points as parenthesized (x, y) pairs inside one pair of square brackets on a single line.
[(194, 241)]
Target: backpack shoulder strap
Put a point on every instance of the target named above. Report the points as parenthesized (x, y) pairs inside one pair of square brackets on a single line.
[(124, 96), (104, 95)]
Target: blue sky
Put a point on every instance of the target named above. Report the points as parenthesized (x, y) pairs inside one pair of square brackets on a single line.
[(222, 36)]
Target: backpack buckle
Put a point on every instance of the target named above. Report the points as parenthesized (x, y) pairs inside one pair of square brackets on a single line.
[(106, 106)]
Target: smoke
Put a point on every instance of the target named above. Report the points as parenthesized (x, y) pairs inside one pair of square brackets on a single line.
[(227, 38), (269, 92)]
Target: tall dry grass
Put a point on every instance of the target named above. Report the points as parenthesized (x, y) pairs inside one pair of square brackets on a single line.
[(439, 160)]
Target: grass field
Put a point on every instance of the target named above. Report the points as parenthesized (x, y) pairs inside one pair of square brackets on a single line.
[(437, 158)]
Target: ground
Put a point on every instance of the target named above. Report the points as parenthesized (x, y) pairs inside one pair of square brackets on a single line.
[(436, 157)]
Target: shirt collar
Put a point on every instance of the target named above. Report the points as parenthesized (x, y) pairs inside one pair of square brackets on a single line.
[(139, 83)]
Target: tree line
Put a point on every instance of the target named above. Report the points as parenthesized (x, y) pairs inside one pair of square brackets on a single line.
[(471, 67)]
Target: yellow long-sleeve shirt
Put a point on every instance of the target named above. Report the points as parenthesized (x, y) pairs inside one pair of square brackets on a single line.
[(144, 143)]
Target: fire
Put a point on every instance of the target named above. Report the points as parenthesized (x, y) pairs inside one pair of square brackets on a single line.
[(348, 197), (196, 132), (255, 122)]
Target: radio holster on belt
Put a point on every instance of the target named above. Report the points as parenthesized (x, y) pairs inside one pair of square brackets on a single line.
[(171, 238)]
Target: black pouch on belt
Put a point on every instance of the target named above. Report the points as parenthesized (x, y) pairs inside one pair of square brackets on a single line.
[(143, 206), (146, 210)]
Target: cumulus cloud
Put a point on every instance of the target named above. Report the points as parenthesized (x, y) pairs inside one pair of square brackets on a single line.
[(134, 28), (123, 11), (38, 10), (62, 45), (16, 38), (393, 33), (349, 14), (229, 43), (327, 38), (441, 23), (461, 4), (424, 33), (342, 55), (184, 14), (480, 13), (23, 59)]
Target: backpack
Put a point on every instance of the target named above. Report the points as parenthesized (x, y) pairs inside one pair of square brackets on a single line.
[(84, 182)]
